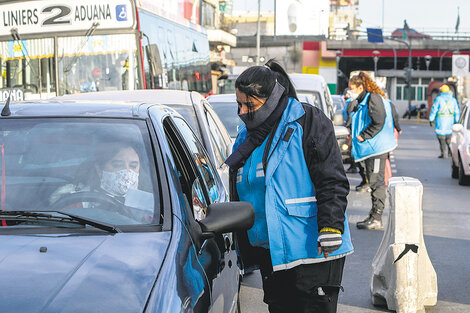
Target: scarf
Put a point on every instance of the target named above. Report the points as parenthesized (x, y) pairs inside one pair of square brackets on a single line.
[(256, 136)]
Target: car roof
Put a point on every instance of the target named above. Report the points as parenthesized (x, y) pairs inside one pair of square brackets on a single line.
[(150, 96), (307, 81), (229, 97), (82, 108)]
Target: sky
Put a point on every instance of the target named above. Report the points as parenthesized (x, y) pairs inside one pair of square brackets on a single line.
[(431, 15)]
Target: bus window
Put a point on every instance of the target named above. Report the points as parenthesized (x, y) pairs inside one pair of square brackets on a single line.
[(97, 63), (27, 66)]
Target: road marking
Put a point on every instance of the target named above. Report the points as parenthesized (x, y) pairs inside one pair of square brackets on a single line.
[(393, 165), (394, 171)]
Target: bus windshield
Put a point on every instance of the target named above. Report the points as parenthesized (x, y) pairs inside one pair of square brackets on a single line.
[(97, 63), (84, 64)]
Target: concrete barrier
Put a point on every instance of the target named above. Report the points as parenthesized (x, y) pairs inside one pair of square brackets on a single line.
[(403, 277)]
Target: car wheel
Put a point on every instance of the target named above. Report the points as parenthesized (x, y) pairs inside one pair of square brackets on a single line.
[(464, 180), (455, 170)]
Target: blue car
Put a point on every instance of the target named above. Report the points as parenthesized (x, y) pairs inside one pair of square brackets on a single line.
[(113, 207)]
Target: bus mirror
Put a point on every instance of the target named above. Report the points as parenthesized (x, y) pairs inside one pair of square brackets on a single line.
[(155, 63)]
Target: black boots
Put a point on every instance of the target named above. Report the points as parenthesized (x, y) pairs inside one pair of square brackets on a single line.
[(363, 187), (371, 223)]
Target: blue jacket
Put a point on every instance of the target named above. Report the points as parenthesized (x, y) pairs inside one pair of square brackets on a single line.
[(384, 141), (306, 187), (445, 111)]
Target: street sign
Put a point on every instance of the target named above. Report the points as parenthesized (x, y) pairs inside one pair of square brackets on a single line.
[(374, 35), (460, 65)]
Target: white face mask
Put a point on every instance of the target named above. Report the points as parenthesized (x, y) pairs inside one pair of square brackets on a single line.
[(119, 182), (354, 95)]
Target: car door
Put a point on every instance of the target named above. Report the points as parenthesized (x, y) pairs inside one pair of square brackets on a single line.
[(459, 141), (466, 141), (203, 186)]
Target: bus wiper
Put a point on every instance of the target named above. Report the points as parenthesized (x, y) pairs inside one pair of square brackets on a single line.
[(74, 60), (38, 216)]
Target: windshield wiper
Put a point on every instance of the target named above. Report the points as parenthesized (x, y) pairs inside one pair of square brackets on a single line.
[(38, 216)]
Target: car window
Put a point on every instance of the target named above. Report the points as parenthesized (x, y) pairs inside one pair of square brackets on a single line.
[(216, 141), (200, 159), (313, 97), (338, 103), (220, 125), (228, 113), (100, 169), (216, 137), (187, 111)]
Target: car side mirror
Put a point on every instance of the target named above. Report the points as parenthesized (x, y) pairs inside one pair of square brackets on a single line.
[(457, 128), (226, 217)]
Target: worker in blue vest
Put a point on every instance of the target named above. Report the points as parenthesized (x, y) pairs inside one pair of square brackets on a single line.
[(287, 164), (372, 139), (445, 112)]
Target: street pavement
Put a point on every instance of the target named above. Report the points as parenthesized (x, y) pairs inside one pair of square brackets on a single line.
[(446, 225)]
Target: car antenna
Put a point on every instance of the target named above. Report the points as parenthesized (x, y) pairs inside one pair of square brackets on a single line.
[(6, 108)]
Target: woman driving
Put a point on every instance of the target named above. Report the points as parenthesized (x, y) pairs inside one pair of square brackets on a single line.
[(114, 170)]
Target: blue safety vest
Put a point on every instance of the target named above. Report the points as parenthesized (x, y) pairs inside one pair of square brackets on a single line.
[(381, 143)]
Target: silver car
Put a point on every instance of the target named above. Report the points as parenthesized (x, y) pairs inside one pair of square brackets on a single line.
[(460, 147)]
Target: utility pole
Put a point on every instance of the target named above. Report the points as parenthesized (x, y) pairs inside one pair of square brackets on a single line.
[(258, 35), (383, 9)]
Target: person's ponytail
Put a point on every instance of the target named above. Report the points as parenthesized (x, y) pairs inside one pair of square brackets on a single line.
[(282, 77)]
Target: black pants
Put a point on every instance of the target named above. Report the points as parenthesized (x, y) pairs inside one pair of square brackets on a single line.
[(375, 173), (296, 290), (444, 143), (362, 173)]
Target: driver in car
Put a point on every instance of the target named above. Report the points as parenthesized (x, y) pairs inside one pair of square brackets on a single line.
[(114, 171)]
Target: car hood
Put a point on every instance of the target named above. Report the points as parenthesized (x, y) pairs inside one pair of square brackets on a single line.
[(79, 273)]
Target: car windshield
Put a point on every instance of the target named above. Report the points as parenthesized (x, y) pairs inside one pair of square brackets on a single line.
[(338, 103), (228, 113), (311, 97), (98, 169)]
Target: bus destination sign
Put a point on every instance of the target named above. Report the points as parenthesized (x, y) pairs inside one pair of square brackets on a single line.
[(43, 16)]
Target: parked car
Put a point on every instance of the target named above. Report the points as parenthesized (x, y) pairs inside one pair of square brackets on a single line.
[(74, 240), (194, 108), (338, 108), (315, 87), (460, 147), (226, 107)]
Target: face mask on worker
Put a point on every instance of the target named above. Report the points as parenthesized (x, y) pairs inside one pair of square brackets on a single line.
[(256, 118), (119, 182), (354, 95)]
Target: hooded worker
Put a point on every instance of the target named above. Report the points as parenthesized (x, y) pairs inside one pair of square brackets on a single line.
[(445, 112)]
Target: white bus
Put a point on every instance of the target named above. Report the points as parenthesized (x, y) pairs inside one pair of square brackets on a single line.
[(50, 48)]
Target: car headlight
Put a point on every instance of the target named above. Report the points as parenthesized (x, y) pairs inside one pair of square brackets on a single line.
[(344, 147)]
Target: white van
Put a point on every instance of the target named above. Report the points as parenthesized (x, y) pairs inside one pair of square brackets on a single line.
[(314, 88)]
